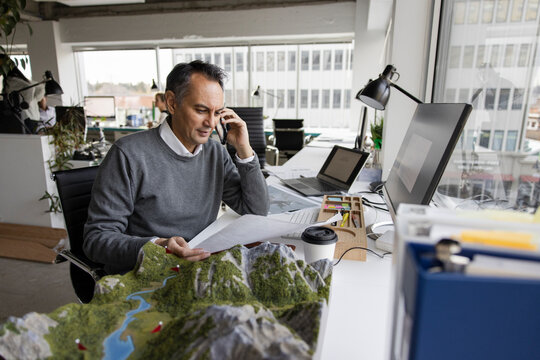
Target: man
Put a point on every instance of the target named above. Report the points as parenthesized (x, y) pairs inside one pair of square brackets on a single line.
[(166, 184), (47, 114)]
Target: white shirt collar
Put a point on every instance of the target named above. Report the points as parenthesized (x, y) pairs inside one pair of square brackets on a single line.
[(174, 143)]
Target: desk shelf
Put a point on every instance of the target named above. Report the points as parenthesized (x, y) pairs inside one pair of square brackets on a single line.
[(350, 234)]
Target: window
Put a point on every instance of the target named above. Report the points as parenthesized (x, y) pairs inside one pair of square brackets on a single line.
[(305, 60), (480, 55), (489, 102), (217, 59), (459, 12), (281, 60), (325, 98), (517, 100), (523, 59), (303, 98), (336, 103), (511, 140), (291, 99), (347, 99), (455, 55), (474, 12), (504, 95), (532, 10), (505, 39), (502, 10), (487, 11), (281, 98), (239, 61), (508, 55), (227, 62), (292, 60), (338, 60), (316, 60), (208, 58), (468, 56), (327, 58), (484, 138), (270, 61), (497, 140), (517, 10), (198, 56), (315, 99), (260, 61)]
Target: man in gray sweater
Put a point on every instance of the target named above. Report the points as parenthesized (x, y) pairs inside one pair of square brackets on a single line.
[(166, 184)]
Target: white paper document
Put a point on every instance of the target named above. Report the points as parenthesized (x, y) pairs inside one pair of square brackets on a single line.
[(249, 229)]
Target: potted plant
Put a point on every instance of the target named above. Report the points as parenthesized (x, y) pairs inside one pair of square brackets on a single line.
[(377, 132)]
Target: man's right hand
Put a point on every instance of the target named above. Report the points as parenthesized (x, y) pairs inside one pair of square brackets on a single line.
[(179, 247)]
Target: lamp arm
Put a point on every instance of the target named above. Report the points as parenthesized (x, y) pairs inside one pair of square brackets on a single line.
[(29, 87), (268, 93), (406, 93)]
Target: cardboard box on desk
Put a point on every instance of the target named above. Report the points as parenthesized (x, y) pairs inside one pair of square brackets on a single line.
[(461, 316)]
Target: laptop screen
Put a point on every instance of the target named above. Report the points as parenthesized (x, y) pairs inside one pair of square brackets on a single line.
[(342, 166)]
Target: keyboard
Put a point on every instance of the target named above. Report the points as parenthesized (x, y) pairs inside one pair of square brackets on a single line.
[(307, 216), (319, 185)]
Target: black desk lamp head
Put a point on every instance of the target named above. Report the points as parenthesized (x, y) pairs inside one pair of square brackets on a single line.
[(51, 88), (377, 92)]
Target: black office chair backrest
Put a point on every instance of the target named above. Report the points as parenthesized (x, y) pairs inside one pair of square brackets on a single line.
[(75, 190), (253, 116), (289, 134)]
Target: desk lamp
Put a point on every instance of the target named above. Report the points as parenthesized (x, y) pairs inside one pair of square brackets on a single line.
[(154, 86), (51, 87), (257, 94), (376, 93)]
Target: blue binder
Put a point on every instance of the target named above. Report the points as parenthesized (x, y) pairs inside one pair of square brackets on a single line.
[(459, 316)]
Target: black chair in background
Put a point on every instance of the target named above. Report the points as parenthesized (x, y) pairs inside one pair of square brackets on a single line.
[(74, 190), (289, 136), (253, 116)]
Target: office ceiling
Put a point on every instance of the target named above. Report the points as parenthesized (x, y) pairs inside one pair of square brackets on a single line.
[(58, 9)]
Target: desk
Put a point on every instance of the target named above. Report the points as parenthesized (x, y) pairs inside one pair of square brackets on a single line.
[(359, 317)]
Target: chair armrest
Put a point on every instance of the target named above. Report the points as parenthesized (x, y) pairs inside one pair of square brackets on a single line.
[(93, 270), (275, 150)]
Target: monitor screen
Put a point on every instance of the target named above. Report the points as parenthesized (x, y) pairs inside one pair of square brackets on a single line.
[(100, 107), (428, 144)]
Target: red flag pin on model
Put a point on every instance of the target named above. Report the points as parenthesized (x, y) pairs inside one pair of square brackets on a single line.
[(177, 268), (79, 345), (167, 251), (158, 328)]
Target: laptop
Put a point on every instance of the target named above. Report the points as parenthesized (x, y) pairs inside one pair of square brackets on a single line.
[(338, 173)]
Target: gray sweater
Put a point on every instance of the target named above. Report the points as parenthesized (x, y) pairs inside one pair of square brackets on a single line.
[(144, 189)]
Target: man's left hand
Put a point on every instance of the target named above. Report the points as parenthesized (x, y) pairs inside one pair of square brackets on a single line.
[(238, 135)]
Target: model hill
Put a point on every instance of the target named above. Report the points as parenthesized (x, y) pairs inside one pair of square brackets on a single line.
[(239, 304)]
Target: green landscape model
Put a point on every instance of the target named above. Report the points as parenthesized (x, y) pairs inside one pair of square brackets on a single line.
[(239, 304)]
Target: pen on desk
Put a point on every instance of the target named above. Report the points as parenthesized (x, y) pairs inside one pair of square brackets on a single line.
[(345, 217)]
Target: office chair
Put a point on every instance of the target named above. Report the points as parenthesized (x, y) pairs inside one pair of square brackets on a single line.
[(289, 136), (74, 190), (253, 116)]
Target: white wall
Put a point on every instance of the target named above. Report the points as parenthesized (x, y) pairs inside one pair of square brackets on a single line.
[(409, 54)]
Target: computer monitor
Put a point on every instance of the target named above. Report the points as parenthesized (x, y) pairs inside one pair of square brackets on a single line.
[(100, 107), (67, 115), (428, 144)]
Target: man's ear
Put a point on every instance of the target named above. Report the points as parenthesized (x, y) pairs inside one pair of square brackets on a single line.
[(170, 101)]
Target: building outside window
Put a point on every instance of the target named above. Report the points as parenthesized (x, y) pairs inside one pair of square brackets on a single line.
[(496, 142)]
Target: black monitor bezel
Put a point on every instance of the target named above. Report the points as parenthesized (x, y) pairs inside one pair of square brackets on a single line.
[(454, 137)]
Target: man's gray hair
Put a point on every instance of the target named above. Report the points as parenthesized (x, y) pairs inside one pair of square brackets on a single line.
[(179, 77)]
